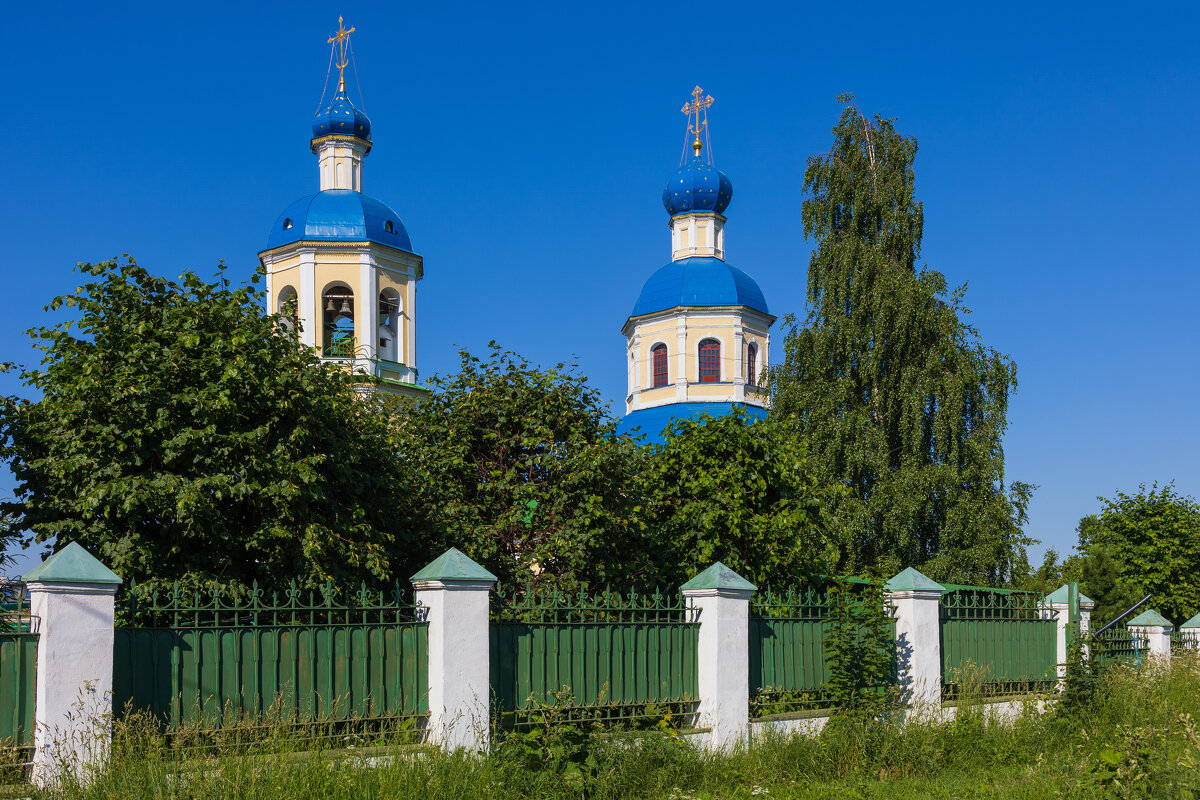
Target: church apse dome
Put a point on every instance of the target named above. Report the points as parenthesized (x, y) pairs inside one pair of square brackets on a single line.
[(697, 186)]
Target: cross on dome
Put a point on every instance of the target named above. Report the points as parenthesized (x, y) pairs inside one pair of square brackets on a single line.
[(694, 108), (341, 41)]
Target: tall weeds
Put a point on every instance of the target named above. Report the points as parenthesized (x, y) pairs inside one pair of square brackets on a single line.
[(1138, 739)]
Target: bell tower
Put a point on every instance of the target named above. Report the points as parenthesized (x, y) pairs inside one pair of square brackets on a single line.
[(339, 262)]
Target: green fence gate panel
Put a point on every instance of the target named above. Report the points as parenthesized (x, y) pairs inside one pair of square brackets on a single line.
[(18, 671), (617, 657), (322, 660), (1006, 642)]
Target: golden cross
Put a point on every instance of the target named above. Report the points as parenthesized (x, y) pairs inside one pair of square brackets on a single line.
[(695, 107), (342, 37)]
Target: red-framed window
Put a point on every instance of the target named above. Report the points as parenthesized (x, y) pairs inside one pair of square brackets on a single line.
[(710, 361), (752, 365), (659, 354)]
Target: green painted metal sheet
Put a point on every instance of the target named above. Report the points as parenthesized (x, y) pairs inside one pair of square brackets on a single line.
[(606, 656), (1004, 642), (210, 664), (615, 669), (18, 670)]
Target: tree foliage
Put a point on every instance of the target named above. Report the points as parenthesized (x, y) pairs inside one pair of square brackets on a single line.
[(898, 397), (183, 434), (739, 492), (1152, 538), (522, 469)]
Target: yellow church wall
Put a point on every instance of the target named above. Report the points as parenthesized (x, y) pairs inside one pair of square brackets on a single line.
[(710, 391), (665, 394), (280, 279)]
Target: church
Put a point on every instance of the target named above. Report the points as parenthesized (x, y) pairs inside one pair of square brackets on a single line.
[(339, 263)]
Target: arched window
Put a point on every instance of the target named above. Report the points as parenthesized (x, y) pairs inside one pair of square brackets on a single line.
[(287, 223), (388, 227), (389, 325), (710, 361), (341, 181), (659, 354), (752, 365), (339, 323), (286, 307)]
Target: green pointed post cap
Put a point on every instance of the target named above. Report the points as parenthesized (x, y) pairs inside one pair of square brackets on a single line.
[(1062, 595), (719, 576), (912, 581), (72, 564), (453, 565), (1148, 618), (1194, 622)]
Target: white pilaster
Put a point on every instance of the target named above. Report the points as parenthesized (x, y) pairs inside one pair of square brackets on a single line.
[(720, 600), (453, 591), (308, 301), (368, 282)]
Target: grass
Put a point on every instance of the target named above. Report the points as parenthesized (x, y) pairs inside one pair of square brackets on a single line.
[(1134, 740)]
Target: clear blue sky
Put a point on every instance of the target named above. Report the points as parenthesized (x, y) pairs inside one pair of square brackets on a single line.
[(525, 147)]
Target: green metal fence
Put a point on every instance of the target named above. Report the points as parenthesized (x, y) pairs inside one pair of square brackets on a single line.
[(603, 657), (1183, 641), (208, 661), (788, 669), (18, 672), (1117, 645), (1001, 642)]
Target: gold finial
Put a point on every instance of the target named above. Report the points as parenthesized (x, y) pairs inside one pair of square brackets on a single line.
[(342, 38), (693, 109)]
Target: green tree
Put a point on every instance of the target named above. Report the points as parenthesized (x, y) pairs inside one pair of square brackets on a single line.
[(522, 469), (897, 396), (739, 492), (1153, 539), (183, 434)]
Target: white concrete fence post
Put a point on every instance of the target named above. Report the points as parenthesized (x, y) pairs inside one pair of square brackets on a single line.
[(453, 593), (918, 637), (720, 600), (71, 603), (1155, 629)]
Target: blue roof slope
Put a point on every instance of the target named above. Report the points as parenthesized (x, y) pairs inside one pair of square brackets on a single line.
[(653, 421), (339, 215), (699, 281)]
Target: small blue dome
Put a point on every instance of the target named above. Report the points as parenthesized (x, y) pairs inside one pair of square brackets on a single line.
[(341, 117), (697, 186), (339, 215), (698, 281)]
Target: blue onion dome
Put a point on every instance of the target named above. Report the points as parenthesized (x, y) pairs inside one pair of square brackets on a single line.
[(698, 281), (340, 117), (339, 215), (697, 186)]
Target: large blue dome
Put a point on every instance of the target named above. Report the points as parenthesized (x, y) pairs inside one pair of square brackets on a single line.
[(339, 215), (697, 186), (341, 117), (698, 281), (652, 423)]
